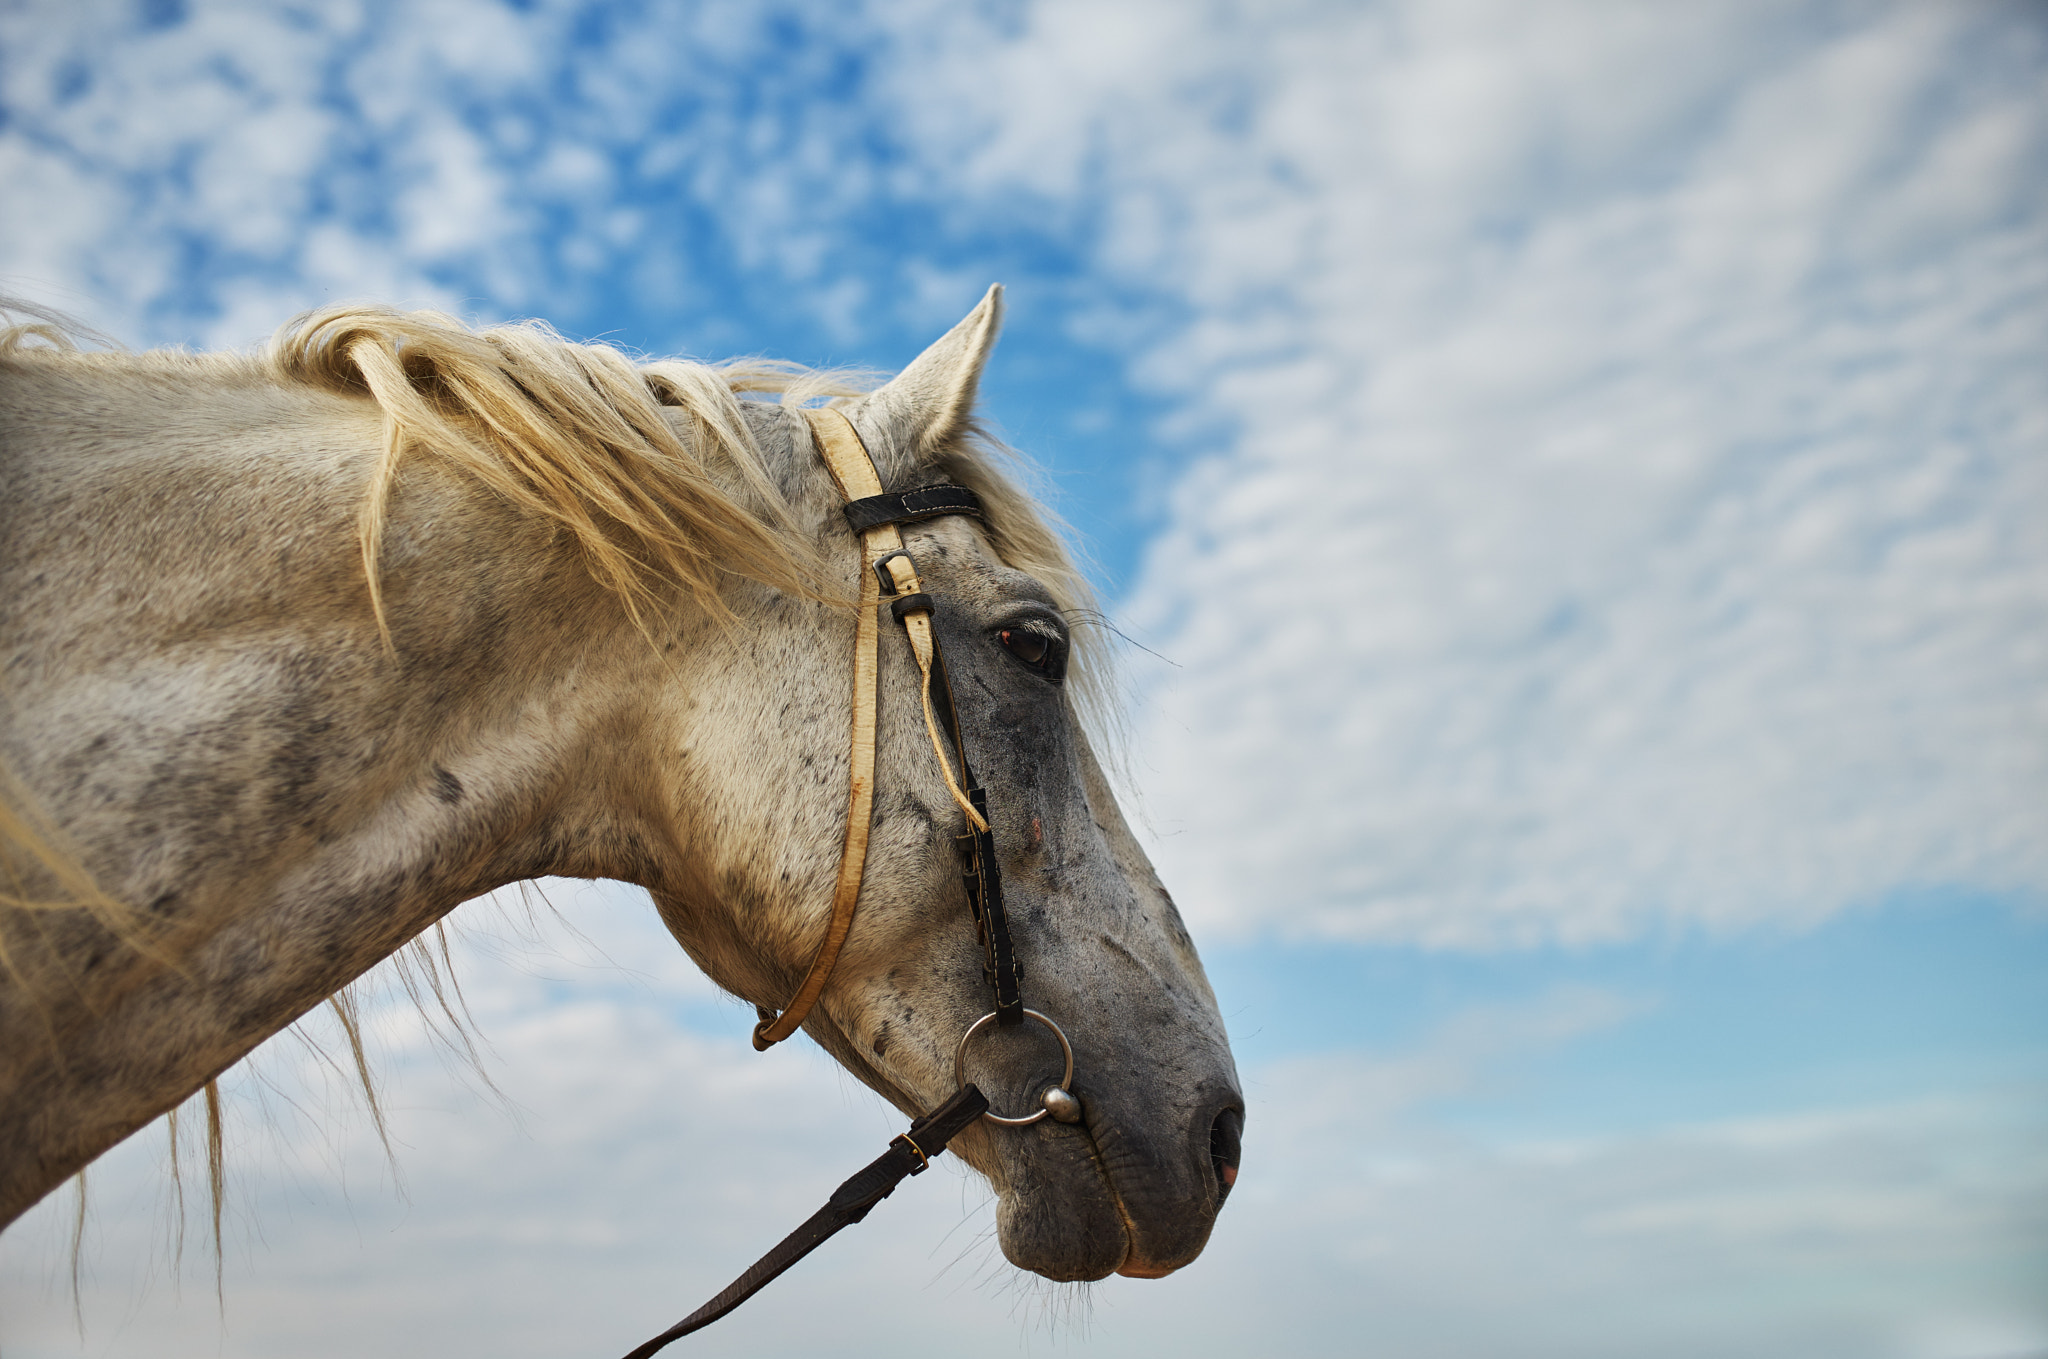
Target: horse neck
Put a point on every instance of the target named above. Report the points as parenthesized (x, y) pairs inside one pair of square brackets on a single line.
[(214, 724)]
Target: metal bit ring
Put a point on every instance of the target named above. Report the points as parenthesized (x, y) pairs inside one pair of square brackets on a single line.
[(960, 1065)]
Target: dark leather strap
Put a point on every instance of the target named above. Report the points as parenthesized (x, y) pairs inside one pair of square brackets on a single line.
[(984, 883), (907, 507), (907, 1155), (917, 603), (983, 876)]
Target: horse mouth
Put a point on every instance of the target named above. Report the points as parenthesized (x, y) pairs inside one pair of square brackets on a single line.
[(1225, 1151)]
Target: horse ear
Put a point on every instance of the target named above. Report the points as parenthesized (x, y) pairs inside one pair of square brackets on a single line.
[(929, 404)]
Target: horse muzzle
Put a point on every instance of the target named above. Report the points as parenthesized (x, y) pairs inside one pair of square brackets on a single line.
[(1133, 1187)]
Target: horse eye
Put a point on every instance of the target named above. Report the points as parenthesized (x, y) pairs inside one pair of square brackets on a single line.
[(1036, 650)]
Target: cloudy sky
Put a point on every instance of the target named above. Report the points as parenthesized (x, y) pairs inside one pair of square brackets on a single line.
[(1578, 473)]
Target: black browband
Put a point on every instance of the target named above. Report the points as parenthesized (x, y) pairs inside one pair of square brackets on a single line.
[(911, 1153), (907, 507)]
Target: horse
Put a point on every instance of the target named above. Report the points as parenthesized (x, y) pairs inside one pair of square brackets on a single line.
[(303, 648)]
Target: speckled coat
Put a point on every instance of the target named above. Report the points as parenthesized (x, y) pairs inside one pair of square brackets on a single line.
[(195, 696)]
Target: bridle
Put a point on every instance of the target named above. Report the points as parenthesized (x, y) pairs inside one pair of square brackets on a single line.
[(890, 571)]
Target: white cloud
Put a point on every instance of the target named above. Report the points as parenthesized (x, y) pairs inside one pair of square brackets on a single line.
[(1630, 430)]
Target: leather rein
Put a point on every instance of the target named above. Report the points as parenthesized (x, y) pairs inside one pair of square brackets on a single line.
[(890, 572)]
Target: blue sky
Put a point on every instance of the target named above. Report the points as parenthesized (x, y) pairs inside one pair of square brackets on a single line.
[(1581, 468)]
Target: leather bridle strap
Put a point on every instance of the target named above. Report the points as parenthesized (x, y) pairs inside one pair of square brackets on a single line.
[(983, 875), (883, 561), (907, 1155)]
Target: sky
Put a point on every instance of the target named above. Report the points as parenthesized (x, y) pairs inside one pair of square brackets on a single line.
[(1573, 476)]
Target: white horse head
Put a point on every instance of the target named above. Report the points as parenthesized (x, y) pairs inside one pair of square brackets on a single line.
[(608, 637)]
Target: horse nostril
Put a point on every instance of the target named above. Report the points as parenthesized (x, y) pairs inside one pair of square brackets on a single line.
[(1224, 1150)]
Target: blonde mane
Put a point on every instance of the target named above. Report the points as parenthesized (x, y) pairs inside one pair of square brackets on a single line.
[(577, 435)]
